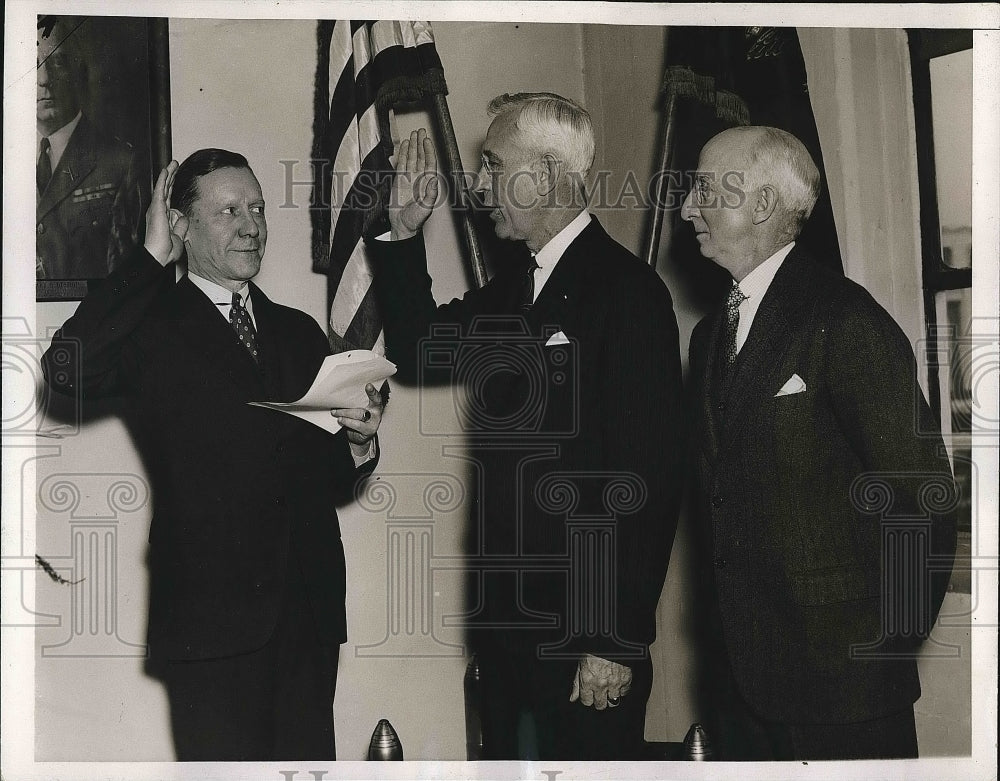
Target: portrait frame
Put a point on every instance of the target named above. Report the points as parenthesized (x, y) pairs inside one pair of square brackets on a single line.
[(126, 92)]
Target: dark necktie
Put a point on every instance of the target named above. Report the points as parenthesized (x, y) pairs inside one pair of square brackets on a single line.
[(528, 286), (240, 319), (736, 298), (43, 170)]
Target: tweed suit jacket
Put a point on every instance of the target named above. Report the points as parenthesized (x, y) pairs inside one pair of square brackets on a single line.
[(829, 513), (240, 493), (573, 415)]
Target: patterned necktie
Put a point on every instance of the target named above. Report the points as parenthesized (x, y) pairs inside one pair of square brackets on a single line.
[(528, 286), (242, 323), (736, 298), (43, 170)]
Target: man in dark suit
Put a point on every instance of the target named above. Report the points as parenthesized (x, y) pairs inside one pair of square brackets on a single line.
[(247, 574), (88, 206), (824, 481), (570, 359)]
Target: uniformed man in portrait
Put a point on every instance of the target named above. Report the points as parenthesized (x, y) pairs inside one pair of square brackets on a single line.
[(88, 197)]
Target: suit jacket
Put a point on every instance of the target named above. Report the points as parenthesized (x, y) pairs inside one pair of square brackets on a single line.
[(827, 509), (240, 493), (89, 214), (576, 449)]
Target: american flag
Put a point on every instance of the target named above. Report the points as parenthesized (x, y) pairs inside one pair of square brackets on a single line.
[(365, 68)]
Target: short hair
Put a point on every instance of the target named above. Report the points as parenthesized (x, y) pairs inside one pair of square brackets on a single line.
[(551, 122), (197, 165), (776, 157)]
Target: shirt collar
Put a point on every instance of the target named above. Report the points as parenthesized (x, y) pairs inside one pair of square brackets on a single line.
[(60, 139), (756, 283), (220, 296), (549, 255)]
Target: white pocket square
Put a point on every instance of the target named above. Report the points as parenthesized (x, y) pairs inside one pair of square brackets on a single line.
[(557, 338), (794, 385)]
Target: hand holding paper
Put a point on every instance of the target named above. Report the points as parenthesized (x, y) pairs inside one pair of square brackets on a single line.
[(339, 385), (361, 422)]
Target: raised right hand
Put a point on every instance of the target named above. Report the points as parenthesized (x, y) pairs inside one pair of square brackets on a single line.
[(415, 185), (161, 242)]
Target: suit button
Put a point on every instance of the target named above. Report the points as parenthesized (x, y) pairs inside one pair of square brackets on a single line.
[(279, 449), (279, 501), (716, 501), (721, 406), (719, 563), (41, 229)]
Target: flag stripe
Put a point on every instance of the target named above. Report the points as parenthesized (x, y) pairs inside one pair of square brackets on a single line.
[(350, 212), (354, 284), (369, 66), (367, 324)]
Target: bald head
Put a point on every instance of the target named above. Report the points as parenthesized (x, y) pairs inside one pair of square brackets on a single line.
[(775, 157), (754, 190)]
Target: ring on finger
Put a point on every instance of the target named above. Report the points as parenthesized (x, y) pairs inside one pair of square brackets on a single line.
[(367, 416), (614, 702)]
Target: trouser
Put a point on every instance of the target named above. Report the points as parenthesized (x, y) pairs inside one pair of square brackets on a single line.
[(526, 712), (275, 703)]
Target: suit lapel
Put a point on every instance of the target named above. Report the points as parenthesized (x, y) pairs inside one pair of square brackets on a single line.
[(208, 334), (276, 374), (756, 368), (570, 278), (707, 376), (560, 297), (76, 163)]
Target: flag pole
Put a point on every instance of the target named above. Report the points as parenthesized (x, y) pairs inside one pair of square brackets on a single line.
[(662, 182), (453, 160)]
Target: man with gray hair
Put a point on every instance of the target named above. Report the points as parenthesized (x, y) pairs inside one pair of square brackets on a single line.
[(826, 491), (573, 414)]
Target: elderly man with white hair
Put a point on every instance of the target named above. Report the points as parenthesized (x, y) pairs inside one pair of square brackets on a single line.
[(827, 497), (570, 361)]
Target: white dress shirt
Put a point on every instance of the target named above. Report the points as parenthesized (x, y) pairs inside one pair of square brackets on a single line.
[(223, 300), (58, 141), (754, 286), (548, 256)]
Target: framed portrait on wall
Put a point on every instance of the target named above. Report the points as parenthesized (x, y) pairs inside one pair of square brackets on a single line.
[(103, 131)]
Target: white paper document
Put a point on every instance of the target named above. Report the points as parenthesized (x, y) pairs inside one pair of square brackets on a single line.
[(339, 383)]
